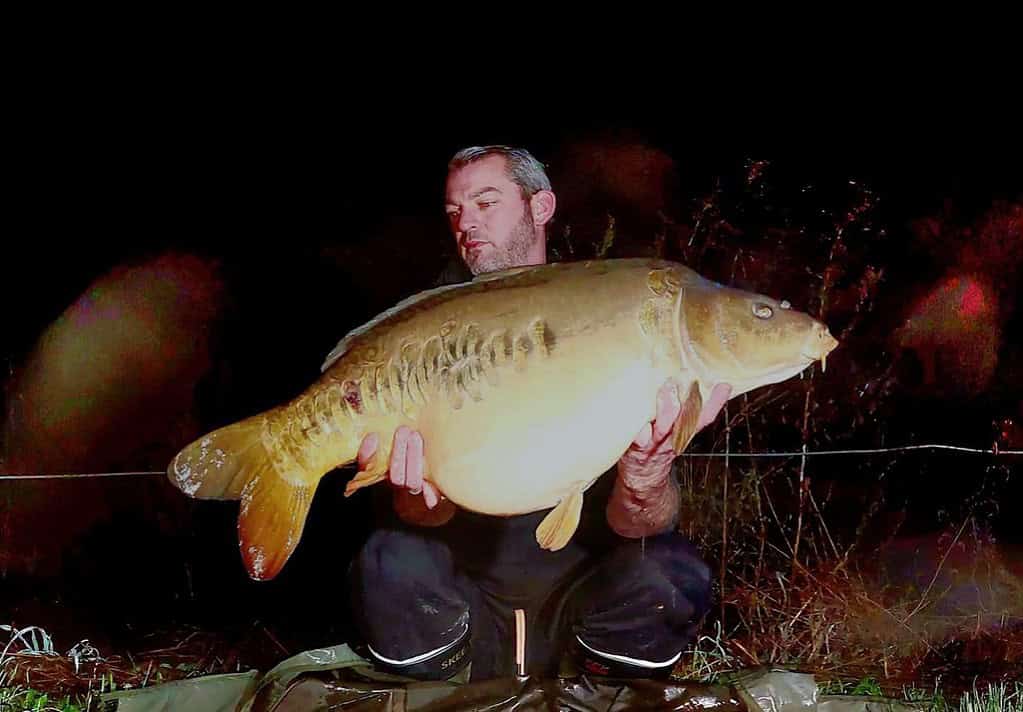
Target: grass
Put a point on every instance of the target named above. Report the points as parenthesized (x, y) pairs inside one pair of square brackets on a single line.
[(709, 661), (13, 696), (992, 697), (16, 699), (35, 675)]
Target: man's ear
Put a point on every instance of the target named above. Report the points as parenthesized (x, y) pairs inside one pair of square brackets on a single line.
[(542, 206)]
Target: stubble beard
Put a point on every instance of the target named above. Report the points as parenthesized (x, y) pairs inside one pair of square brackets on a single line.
[(515, 252)]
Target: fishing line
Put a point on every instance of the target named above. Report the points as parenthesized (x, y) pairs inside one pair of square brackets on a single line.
[(866, 451), (795, 453), (81, 475)]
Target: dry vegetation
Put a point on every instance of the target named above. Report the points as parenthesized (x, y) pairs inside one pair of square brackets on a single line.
[(813, 572)]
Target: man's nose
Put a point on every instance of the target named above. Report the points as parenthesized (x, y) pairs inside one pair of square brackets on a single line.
[(467, 220)]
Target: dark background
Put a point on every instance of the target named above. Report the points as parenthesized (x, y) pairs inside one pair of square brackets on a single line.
[(323, 207)]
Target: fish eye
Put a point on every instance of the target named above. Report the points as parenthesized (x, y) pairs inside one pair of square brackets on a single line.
[(785, 304), (762, 311)]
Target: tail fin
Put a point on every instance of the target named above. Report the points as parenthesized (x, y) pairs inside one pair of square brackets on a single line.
[(233, 463)]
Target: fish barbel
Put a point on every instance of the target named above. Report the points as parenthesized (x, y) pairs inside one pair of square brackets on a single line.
[(526, 385)]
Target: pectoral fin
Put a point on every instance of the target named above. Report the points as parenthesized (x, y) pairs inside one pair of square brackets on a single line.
[(688, 418), (375, 472), (560, 524)]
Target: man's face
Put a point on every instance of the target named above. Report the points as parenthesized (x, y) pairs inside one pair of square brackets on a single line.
[(489, 217)]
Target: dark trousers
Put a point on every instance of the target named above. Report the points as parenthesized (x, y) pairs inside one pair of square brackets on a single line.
[(425, 598)]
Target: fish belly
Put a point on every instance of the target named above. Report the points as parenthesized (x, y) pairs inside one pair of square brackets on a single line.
[(544, 431)]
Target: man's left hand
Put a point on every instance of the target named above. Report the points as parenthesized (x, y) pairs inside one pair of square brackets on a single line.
[(651, 451)]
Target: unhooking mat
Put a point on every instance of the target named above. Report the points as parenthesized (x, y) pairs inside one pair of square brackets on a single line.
[(337, 678)]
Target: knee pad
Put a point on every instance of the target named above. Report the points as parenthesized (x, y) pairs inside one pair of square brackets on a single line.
[(441, 663), (597, 662)]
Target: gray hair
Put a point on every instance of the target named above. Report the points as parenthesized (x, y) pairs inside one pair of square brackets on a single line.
[(523, 169)]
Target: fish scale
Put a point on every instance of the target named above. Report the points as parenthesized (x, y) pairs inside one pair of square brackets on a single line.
[(526, 386)]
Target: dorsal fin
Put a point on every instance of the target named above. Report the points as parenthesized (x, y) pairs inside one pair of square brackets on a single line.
[(342, 346)]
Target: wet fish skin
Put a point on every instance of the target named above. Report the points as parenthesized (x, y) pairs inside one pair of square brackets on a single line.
[(526, 385)]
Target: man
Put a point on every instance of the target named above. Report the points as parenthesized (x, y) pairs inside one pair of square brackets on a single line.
[(437, 587)]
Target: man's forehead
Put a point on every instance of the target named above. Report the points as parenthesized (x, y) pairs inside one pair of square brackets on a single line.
[(470, 180)]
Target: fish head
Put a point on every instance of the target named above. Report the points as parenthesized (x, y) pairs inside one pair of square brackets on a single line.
[(748, 339)]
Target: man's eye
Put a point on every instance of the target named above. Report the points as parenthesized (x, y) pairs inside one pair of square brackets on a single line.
[(487, 203)]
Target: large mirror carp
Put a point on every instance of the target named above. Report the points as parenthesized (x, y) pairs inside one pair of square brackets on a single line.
[(526, 384)]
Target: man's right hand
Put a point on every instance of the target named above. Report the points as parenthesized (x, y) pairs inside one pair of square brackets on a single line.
[(405, 473)]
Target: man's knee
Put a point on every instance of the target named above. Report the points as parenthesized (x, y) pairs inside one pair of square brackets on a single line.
[(408, 606), (684, 570), (661, 567), (395, 558), (644, 608)]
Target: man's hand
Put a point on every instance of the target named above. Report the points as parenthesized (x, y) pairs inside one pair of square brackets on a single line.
[(415, 499), (652, 446), (644, 501), (406, 466)]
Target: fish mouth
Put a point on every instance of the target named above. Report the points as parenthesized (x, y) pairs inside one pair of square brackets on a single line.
[(821, 344), (822, 357)]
